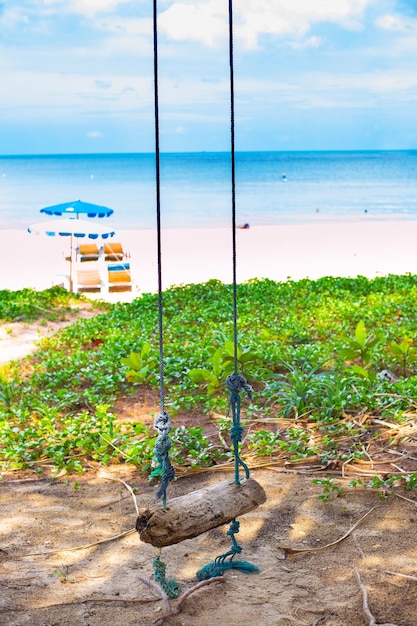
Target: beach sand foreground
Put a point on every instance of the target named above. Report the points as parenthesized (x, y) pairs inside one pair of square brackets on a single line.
[(98, 583), (368, 248)]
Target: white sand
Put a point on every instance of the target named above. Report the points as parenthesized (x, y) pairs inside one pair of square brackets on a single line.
[(192, 256)]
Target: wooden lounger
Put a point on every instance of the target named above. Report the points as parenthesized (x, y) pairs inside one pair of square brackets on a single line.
[(88, 252), (113, 252), (119, 277), (88, 280)]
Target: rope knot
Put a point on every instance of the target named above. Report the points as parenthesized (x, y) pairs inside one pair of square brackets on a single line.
[(234, 527), (162, 446), (235, 382), (163, 468), (162, 423), (236, 432), (169, 585), (169, 473)]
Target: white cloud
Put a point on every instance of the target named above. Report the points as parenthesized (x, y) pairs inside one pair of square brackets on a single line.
[(14, 17), (54, 95), (89, 8), (402, 32), (103, 84), (324, 90), (311, 42), (196, 21), (206, 20), (95, 134), (125, 36), (396, 23), (124, 26), (395, 84)]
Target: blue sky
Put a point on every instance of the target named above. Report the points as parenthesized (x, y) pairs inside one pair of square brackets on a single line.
[(76, 75)]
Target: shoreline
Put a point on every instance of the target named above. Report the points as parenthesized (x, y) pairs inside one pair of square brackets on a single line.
[(193, 255)]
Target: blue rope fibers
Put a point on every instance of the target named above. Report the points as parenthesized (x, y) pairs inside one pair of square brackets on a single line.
[(220, 565), (169, 585), (234, 383), (164, 466)]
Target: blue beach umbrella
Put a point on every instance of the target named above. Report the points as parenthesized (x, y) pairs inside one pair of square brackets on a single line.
[(78, 207), (71, 227)]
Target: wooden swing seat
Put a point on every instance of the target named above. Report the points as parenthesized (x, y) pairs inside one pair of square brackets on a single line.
[(197, 512)]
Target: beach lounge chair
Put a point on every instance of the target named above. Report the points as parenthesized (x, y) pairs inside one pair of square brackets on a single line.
[(114, 252), (119, 277), (88, 252), (88, 280)]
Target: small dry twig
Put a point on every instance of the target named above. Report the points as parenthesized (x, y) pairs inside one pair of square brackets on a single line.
[(170, 611), (372, 621), (290, 552), (407, 576), (153, 585), (103, 474), (85, 547), (92, 601)]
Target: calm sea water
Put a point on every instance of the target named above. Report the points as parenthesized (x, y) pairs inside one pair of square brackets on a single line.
[(271, 187)]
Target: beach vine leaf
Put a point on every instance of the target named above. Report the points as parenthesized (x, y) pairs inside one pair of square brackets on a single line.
[(361, 346), (368, 374), (141, 365), (404, 352), (222, 365)]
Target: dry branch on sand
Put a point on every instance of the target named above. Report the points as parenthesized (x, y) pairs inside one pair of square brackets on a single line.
[(372, 621), (172, 611)]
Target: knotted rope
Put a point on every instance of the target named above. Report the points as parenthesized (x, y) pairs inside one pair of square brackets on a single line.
[(220, 565), (162, 423), (234, 383), (163, 467), (169, 585)]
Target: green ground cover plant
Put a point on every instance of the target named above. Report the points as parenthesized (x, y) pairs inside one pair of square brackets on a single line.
[(332, 363), (28, 305)]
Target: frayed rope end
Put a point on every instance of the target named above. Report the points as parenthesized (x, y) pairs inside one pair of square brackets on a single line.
[(211, 570)]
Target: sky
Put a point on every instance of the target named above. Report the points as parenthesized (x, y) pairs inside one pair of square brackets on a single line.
[(77, 75)]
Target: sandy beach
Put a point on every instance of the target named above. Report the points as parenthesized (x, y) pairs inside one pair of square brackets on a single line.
[(368, 248)]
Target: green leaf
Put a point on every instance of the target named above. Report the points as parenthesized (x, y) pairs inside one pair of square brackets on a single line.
[(218, 364), (360, 333), (360, 371), (134, 361), (200, 375)]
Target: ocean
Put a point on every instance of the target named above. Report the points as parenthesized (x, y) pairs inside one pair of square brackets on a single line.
[(272, 188)]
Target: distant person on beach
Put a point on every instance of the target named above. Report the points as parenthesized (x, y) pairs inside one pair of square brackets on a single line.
[(244, 226)]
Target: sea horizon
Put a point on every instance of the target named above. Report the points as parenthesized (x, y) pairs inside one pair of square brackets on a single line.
[(151, 152), (272, 186)]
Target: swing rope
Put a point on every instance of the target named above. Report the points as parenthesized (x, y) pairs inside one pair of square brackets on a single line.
[(162, 422), (236, 381)]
